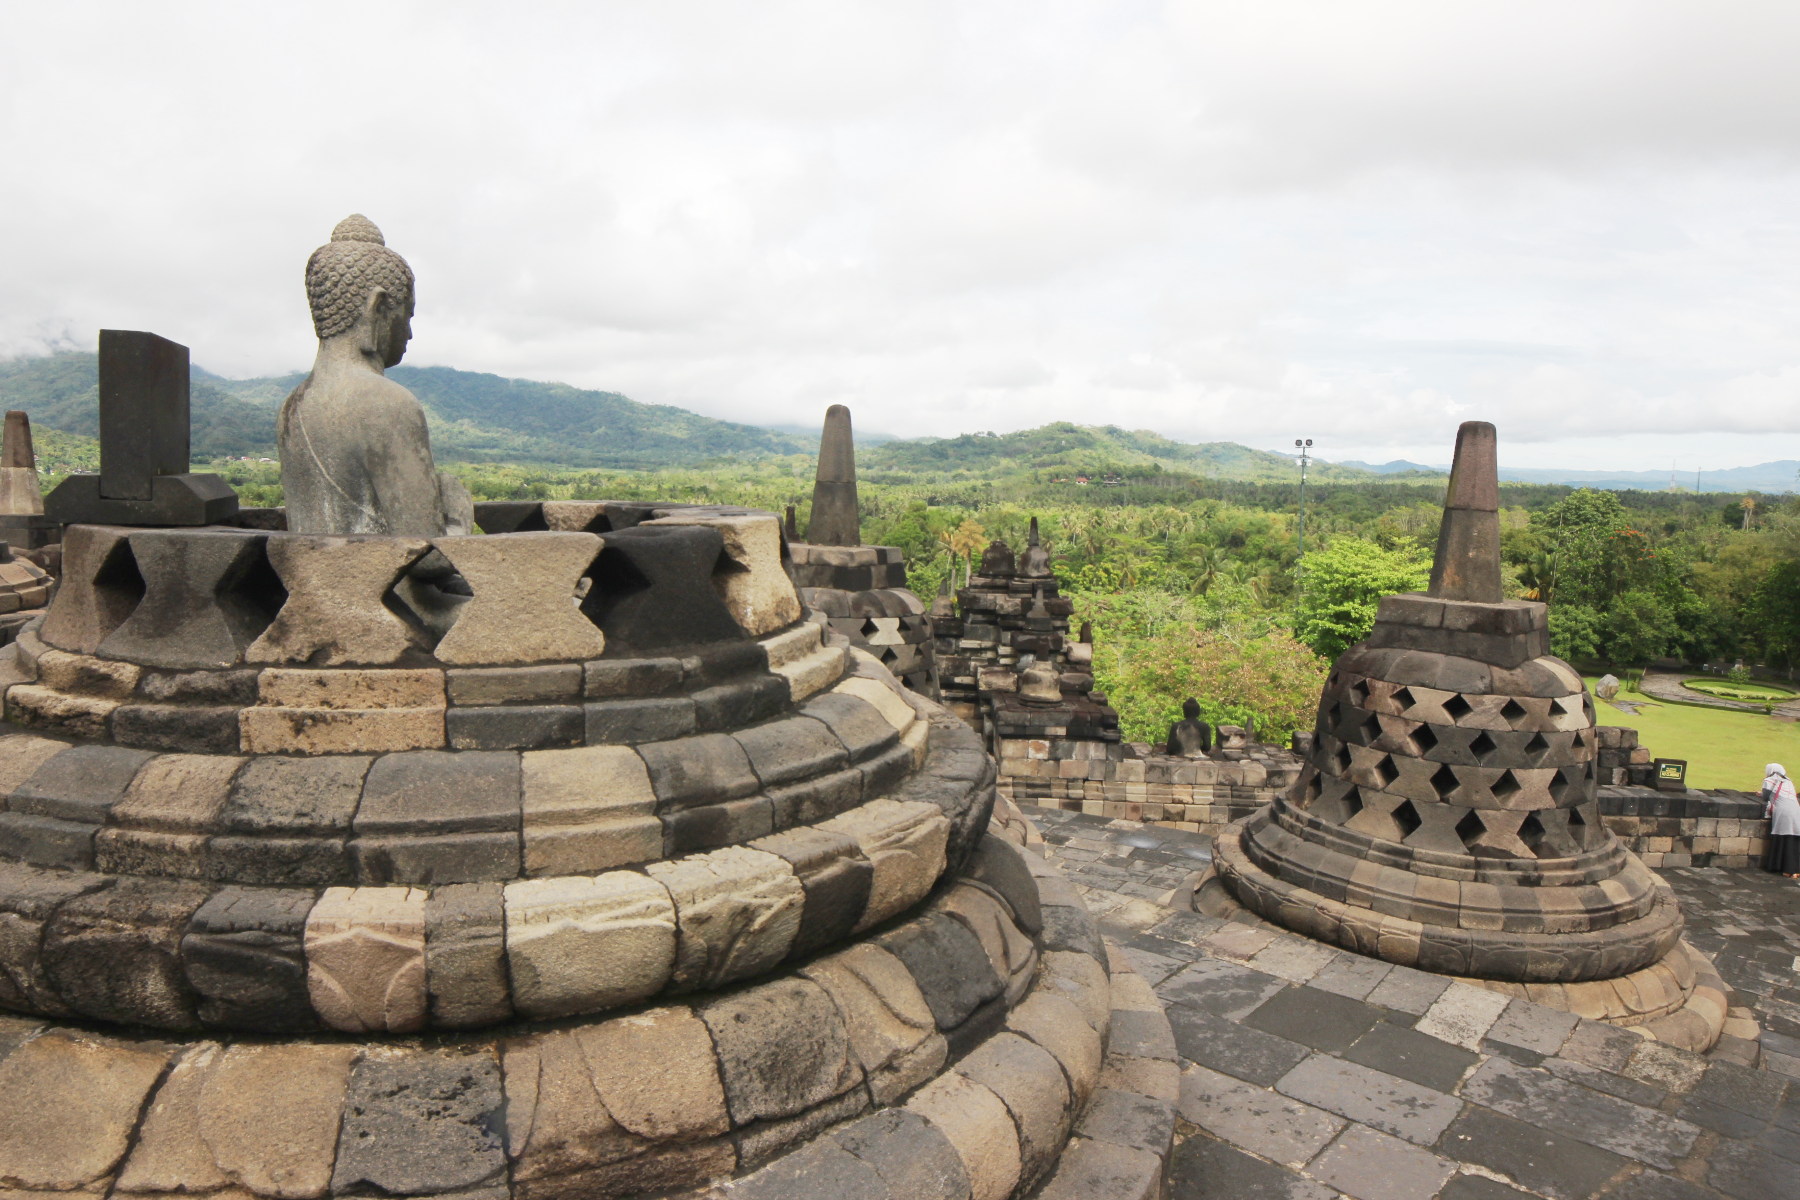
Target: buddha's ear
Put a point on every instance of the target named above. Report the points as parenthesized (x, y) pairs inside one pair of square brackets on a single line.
[(373, 305)]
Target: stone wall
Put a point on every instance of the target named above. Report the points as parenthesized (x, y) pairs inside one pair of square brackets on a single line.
[(1201, 795), (1687, 829)]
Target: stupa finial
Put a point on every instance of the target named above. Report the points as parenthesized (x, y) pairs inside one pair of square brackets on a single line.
[(1467, 565), (835, 518)]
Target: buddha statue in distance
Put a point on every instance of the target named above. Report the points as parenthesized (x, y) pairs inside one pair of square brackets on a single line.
[(1190, 737), (355, 451)]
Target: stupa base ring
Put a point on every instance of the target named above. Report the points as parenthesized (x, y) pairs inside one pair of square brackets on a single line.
[(1679, 999)]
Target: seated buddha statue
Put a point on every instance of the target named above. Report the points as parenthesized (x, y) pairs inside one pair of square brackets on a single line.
[(355, 451), (1190, 737)]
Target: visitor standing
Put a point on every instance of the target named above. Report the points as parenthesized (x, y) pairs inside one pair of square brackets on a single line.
[(1783, 811)]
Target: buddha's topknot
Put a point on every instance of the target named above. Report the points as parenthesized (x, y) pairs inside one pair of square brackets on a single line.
[(341, 274)]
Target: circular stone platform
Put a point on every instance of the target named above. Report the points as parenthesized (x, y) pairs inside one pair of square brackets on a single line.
[(570, 861)]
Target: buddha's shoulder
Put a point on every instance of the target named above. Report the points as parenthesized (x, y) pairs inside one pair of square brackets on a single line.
[(363, 392)]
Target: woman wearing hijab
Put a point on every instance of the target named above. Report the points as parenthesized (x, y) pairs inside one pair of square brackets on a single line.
[(1783, 811)]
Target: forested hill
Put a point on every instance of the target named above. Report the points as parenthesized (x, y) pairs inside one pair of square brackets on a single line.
[(1090, 450), (474, 417)]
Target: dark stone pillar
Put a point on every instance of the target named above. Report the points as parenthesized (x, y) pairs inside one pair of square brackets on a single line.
[(836, 520), (1467, 566)]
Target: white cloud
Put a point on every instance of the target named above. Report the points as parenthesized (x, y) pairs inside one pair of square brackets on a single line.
[(1247, 220)]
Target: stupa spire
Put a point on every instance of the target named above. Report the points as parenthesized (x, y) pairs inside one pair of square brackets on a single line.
[(16, 450), (1467, 565), (835, 519)]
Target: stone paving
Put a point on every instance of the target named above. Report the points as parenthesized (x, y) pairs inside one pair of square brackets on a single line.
[(1312, 1073)]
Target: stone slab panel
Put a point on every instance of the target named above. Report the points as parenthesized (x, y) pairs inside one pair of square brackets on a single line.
[(576, 944), (523, 607), (737, 914), (465, 955), (422, 1124), (782, 1049), (72, 1104), (365, 959)]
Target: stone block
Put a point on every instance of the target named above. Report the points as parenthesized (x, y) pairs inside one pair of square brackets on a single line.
[(212, 729), (947, 961), (339, 731), (905, 842), (706, 769), (1012, 953), (893, 1035), (578, 945), (797, 748), (979, 1126), (350, 688), (814, 800), (782, 1048), (757, 590), (912, 1156), (295, 795), (465, 956), (653, 589), (710, 826), (1029, 1082), (853, 721), (21, 754), (737, 913), (432, 859), (835, 877), (437, 791), (260, 1118), (365, 959), (515, 727), (630, 677), (422, 1124), (523, 606), (337, 612), (32, 706), (179, 793), (208, 594), (884, 699), (740, 702), (115, 954), (638, 721), (245, 958), (549, 684), (101, 587), (583, 1106), (73, 1106), (85, 675), (999, 868), (587, 809), (47, 841), (28, 898)]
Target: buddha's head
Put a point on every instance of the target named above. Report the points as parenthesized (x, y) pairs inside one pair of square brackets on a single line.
[(1190, 709), (355, 284)]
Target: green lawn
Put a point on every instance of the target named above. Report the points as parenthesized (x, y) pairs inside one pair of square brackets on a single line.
[(1724, 749)]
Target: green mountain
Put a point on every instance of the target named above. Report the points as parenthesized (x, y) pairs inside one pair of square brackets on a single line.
[(1092, 450), (473, 417), (478, 418)]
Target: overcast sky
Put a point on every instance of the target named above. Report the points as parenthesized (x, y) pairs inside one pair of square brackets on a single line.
[(1356, 221)]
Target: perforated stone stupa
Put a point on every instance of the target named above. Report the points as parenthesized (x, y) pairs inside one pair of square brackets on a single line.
[(568, 859), (1447, 817), (861, 590)]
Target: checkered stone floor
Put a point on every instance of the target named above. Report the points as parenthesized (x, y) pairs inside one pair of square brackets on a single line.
[(1311, 1073)]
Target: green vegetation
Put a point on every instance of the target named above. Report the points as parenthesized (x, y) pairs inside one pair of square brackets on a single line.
[(1723, 749), (1183, 556), (1760, 692)]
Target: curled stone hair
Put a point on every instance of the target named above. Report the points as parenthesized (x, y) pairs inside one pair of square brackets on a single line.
[(341, 274)]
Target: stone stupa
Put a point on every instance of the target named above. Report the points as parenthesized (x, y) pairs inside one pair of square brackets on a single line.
[(568, 862), (1447, 818), (860, 589)]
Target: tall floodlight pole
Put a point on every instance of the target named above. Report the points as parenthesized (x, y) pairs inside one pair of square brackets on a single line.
[(1303, 445)]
